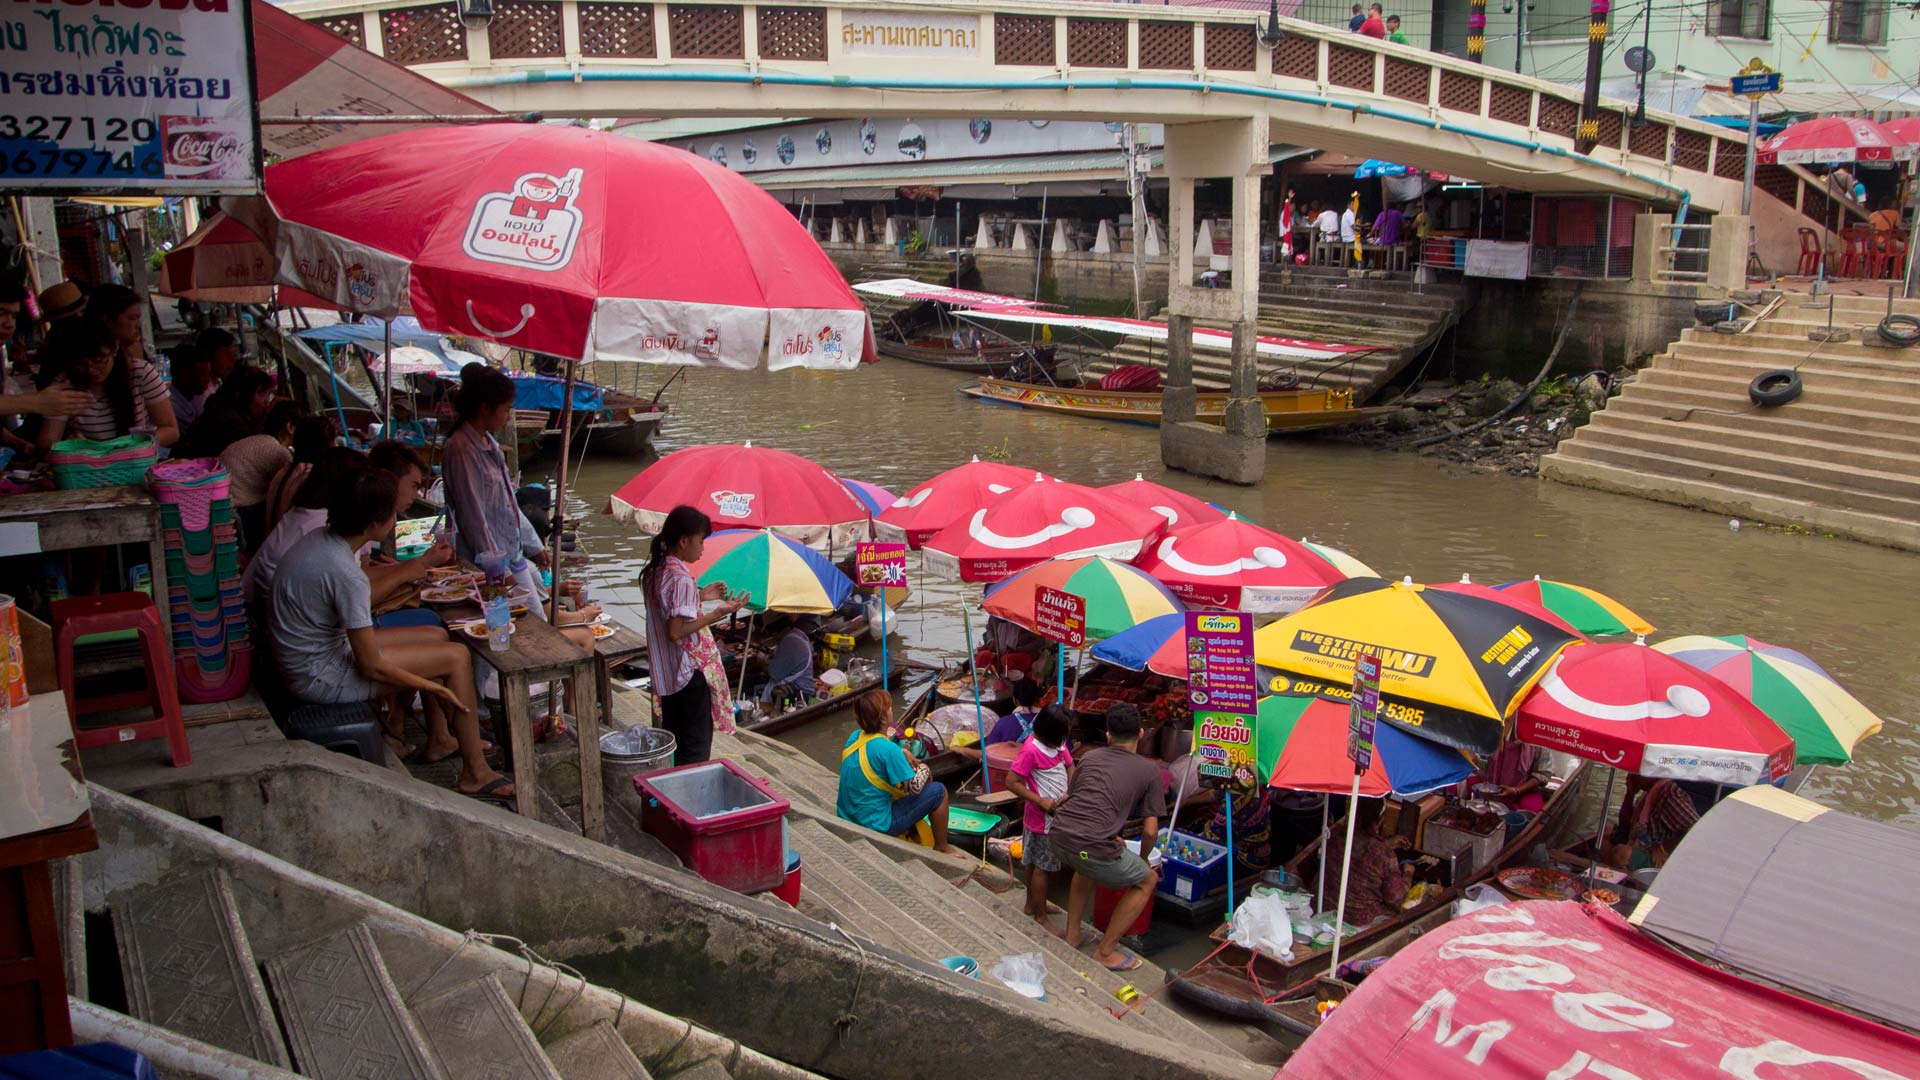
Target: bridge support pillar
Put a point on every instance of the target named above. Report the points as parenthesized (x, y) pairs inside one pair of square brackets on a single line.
[(1727, 245), (1236, 450)]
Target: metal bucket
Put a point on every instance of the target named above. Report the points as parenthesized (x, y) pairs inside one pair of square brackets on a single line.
[(632, 752)]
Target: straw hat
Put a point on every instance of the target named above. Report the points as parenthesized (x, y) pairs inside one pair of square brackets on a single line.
[(61, 300)]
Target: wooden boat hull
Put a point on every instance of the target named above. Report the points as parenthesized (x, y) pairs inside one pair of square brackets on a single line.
[(819, 710), (620, 438), (1286, 410), (1212, 984), (992, 361)]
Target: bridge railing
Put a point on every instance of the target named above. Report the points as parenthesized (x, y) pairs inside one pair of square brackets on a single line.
[(1028, 41)]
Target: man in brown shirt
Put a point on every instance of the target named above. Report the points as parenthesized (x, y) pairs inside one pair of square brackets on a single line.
[(1109, 783)]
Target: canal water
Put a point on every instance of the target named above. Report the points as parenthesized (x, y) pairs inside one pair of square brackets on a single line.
[(1850, 606)]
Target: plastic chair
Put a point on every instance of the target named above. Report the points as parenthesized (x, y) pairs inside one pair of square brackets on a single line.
[(1856, 258), (1892, 255), (1809, 253), (350, 729), (83, 615)]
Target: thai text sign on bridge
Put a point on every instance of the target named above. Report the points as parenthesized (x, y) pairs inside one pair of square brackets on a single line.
[(1223, 688)]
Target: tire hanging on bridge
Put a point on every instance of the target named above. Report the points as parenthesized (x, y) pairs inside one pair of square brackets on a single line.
[(1590, 103), (1477, 31)]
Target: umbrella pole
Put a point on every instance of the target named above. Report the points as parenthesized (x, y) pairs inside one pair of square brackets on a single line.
[(1080, 664), (559, 518), (1228, 794), (1060, 675), (979, 725), (886, 665), (1320, 884), (1593, 857), (386, 393), (1346, 871), (745, 648)]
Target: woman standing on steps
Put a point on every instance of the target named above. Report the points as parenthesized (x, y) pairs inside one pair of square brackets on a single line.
[(674, 624)]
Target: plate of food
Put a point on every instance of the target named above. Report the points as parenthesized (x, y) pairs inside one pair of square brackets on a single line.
[(1539, 883), (452, 575), (445, 594), (477, 630), (602, 630), (1601, 895)]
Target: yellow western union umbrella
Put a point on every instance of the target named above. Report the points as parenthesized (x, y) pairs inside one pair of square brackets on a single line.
[(1453, 666)]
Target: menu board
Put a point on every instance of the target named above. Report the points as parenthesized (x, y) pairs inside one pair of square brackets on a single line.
[(1223, 689)]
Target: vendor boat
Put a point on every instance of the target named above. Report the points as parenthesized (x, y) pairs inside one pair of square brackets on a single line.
[(1255, 986), (931, 330), (624, 428), (1297, 409)]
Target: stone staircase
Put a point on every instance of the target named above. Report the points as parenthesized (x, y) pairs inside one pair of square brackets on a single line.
[(907, 905), (1844, 458), (1400, 320), (345, 987)]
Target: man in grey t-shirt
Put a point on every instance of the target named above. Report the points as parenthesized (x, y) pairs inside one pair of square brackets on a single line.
[(319, 594)]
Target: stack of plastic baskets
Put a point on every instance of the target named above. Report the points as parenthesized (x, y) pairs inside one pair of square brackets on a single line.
[(213, 658), (85, 463)]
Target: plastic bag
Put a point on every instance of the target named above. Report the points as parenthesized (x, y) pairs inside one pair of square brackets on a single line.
[(1263, 924), (1476, 897), (874, 605), (1026, 973)]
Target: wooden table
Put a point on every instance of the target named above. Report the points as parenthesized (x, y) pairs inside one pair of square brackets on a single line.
[(610, 653), (539, 653), (86, 518)]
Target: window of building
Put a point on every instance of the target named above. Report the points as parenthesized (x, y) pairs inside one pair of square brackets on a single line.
[(1858, 22), (1741, 19)]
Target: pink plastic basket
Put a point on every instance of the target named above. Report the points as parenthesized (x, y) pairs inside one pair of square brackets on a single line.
[(192, 484)]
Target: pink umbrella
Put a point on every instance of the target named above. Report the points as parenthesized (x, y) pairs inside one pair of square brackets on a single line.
[(1468, 587), (952, 496), (874, 497), (560, 240), (1179, 508), (1238, 565), (1037, 522), (746, 487), (1905, 129), (1646, 712), (1833, 140)]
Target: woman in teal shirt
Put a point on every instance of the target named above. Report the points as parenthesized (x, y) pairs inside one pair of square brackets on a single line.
[(880, 787)]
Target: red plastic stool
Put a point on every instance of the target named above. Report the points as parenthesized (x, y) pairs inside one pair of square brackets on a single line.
[(83, 615)]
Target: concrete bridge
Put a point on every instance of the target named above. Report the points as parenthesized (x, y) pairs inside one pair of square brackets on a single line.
[(1223, 93)]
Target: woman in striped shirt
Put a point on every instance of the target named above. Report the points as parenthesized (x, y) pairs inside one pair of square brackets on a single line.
[(128, 394)]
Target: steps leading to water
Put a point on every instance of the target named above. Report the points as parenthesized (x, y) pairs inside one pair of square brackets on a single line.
[(1843, 458)]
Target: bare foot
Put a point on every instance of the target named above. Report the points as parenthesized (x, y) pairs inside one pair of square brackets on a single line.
[(951, 850), (1117, 960), (436, 752), (1047, 924), (496, 787)]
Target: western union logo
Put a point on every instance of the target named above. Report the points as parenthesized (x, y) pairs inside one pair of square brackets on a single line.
[(1507, 647), (1219, 624), (1417, 665)]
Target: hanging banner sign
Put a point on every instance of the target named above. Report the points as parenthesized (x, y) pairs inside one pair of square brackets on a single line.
[(1223, 688), (1060, 616), (1365, 712), (154, 98), (880, 564)]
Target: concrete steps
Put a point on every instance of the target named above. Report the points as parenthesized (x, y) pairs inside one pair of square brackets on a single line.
[(478, 1033), (595, 1052), (1793, 478), (187, 966), (1826, 426), (1866, 466), (344, 1016)]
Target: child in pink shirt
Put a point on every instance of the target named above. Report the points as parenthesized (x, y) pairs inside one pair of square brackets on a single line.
[(1039, 777)]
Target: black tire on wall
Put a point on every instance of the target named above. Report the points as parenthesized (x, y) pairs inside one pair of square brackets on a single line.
[(1774, 388)]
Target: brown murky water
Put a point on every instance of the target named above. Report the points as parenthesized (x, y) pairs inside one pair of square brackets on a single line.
[(1850, 606)]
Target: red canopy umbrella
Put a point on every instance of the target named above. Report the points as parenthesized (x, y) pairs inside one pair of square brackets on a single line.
[(1179, 508), (1646, 712), (1038, 522), (1904, 129), (1238, 565), (224, 263), (745, 486), (1833, 140), (949, 497), (560, 240), (1516, 601)]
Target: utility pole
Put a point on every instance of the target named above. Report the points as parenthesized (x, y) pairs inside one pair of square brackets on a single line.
[(1519, 33), (1137, 191), (1590, 103), (1477, 31)]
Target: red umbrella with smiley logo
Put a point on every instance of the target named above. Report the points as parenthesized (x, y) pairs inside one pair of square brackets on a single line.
[(1238, 565), (746, 487), (1043, 520)]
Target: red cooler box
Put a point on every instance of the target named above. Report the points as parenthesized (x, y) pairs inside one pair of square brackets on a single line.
[(724, 824)]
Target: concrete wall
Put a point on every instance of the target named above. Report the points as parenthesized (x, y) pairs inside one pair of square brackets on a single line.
[(1510, 327)]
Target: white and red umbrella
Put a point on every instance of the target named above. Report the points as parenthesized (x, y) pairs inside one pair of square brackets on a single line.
[(952, 496), (1179, 508), (1240, 566), (561, 240), (1833, 140), (224, 263), (746, 487), (1641, 710), (1037, 522)]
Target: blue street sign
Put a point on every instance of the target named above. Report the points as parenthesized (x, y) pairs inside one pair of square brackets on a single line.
[(1755, 85)]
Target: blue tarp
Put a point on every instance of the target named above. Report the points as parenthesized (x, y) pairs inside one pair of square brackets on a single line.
[(1740, 123), (1372, 167), (545, 392), (370, 335)]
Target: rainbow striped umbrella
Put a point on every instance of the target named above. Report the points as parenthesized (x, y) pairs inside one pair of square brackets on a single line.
[(777, 573), (874, 497), (1300, 744), (1118, 595), (1341, 561), (1592, 613), (1158, 645), (1825, 721)]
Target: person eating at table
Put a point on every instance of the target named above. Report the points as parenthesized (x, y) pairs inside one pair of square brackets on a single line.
[(251, 464), (192, 377), (326, 647), (128, 394), (233, 412)]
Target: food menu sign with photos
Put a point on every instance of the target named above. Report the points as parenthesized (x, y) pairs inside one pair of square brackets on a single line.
[(1223, 688), (1365, 712), (880, 564), (128, 97)]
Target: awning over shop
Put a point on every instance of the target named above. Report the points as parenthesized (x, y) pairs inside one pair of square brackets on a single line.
[(1805, 897), (1556, 989)]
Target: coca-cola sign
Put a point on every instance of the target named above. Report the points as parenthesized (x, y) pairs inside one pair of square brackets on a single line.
[(204, 148)]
